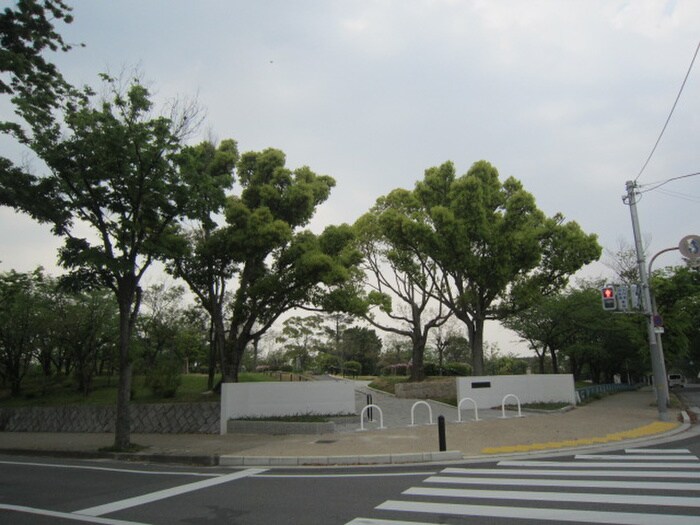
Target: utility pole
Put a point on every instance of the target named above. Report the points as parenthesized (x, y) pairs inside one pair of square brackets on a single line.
[(657, 359)]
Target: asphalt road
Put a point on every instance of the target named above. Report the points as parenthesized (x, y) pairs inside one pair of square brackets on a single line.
[(690, 394), (657, 484)]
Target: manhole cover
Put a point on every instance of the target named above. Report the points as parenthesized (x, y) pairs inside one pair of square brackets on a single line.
[(325, 441)]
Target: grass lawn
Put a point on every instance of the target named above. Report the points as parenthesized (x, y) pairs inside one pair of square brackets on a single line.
[(57, 391)]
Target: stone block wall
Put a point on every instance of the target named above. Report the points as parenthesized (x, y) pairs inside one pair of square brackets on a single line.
[(444, 389), (162, 418)]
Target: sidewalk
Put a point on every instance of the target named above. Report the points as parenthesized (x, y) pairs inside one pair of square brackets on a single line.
[(619, 417)]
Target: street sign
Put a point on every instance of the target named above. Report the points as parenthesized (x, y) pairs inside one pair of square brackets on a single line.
[(690, 247), (623, 302)]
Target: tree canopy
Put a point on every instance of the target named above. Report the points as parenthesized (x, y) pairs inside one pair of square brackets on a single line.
[(112, 171), (277, 266), (493, 251)]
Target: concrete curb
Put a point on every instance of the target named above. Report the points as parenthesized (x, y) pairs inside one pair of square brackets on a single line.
[(168, 459), (453, 456), (378, 459)]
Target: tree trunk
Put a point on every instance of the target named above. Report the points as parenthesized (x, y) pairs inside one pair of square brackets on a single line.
[(555, 362), (212, 356), (417, 371), (476, 337), (128, 298), (122, 429)]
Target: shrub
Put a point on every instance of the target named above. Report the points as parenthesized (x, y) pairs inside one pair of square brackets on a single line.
[(353, 368), (164, 378), (457, 369)]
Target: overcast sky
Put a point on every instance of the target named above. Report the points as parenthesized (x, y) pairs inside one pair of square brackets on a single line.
[(569, 97)]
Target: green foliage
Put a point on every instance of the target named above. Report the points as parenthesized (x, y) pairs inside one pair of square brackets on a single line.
[(496, 364), (111, 168), (677, 293), (571, 327), (163, 378), (353, 368), (276, 265), (20, 324), (495, 251), (362, 346), (387, 384), (395, 274), (27, 33)]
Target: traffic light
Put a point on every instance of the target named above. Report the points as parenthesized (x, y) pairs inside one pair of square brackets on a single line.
[(608, 296)]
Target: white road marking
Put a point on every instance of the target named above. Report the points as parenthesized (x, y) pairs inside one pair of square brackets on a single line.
[(166, 493), (66, 515), (657, 451), (544, 514), (107, 469), (369, 521), (594, 464), (574, 473), (576, 497), (642, 457), (366, 475), (570, 483)]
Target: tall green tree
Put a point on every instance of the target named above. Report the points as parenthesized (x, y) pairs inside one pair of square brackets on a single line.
[(276, 265), (677, 294), (362, 345), (27, 35), (494, 251), (20, 322), (88, 333), (396, 276), (111, 169), (205, 264)]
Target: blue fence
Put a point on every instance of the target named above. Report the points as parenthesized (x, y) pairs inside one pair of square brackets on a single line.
[(587, 391)]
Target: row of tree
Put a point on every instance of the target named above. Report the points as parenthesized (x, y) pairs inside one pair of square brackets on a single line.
[(123, 187)]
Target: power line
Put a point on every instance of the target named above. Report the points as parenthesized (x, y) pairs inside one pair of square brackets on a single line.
[(681, 196), (658, 184), (670, 114)]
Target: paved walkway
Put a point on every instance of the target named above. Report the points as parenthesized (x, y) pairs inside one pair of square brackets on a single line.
[(401, 413), (626, 416)]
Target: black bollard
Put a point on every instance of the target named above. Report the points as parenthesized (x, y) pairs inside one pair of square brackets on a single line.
[(370, 415), (441, 433)]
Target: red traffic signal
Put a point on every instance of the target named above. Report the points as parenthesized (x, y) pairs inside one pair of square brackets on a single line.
[(608, 296)]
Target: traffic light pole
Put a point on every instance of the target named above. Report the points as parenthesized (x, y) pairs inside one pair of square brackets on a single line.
[(657, 358)]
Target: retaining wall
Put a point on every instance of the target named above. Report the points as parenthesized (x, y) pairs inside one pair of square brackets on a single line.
[(444, 389), (161, 418)]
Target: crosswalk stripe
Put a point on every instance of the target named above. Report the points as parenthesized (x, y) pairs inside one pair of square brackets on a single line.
[(544, 514), (575, 473), (670, 479), (657, 451), (597, 464), (370, 521), (573, 497), (570, 483), (641, 457)]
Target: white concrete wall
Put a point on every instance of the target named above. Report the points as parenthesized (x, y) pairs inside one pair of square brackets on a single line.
[(239, 400), (548, 388)]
